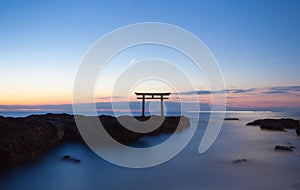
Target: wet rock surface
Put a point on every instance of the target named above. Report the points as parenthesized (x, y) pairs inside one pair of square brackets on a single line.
[(241, 160), (286, 123), (298, 131), (71, 159), (284, 148), (27, 138), (276, 124), (272, 128), (231, 119)]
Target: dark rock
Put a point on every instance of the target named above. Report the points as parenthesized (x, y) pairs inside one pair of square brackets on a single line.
[(285, 148), (270, 127), (71, 159), (27, 138), (117, 131), (284, 123), (66, 157), (242, 160), (231, 119), (298, 131), (67, 122), (168, 125), (77, 160), (292, 147), (277, 124)]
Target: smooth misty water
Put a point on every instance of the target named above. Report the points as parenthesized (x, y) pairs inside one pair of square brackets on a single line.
[(265, 168)]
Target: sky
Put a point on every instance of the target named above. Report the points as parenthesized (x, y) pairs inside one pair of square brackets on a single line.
[(256, 44)]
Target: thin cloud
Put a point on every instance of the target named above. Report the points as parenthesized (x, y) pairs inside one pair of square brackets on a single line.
[(269, 90), (206, 92), (282, 89), (276, 92), (201, 92), (109, 97), (238, 91)]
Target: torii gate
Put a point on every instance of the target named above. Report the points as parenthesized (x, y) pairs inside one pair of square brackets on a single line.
[(150, 95)]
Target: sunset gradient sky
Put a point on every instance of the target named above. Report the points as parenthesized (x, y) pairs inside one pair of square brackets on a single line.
[(256, 44)]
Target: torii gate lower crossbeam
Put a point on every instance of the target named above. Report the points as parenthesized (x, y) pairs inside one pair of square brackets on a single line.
[(155, 95)]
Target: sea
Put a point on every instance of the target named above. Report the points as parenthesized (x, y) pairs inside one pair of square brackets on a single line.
[(261, 167)]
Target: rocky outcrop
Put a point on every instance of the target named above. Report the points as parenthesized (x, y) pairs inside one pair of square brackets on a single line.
[(71, 159), (240, 160), (271, 128), (298, 131), (284, 148), (26, 138), (231, 119), (169, 125), (276, 124)]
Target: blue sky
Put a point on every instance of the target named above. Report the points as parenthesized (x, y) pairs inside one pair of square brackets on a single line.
[(256, 43)]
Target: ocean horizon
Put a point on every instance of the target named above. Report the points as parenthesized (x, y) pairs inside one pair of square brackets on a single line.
[(228, 113)]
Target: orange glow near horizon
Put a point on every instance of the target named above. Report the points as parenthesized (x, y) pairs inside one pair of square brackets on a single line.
[(34, 99), (233, 100)]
